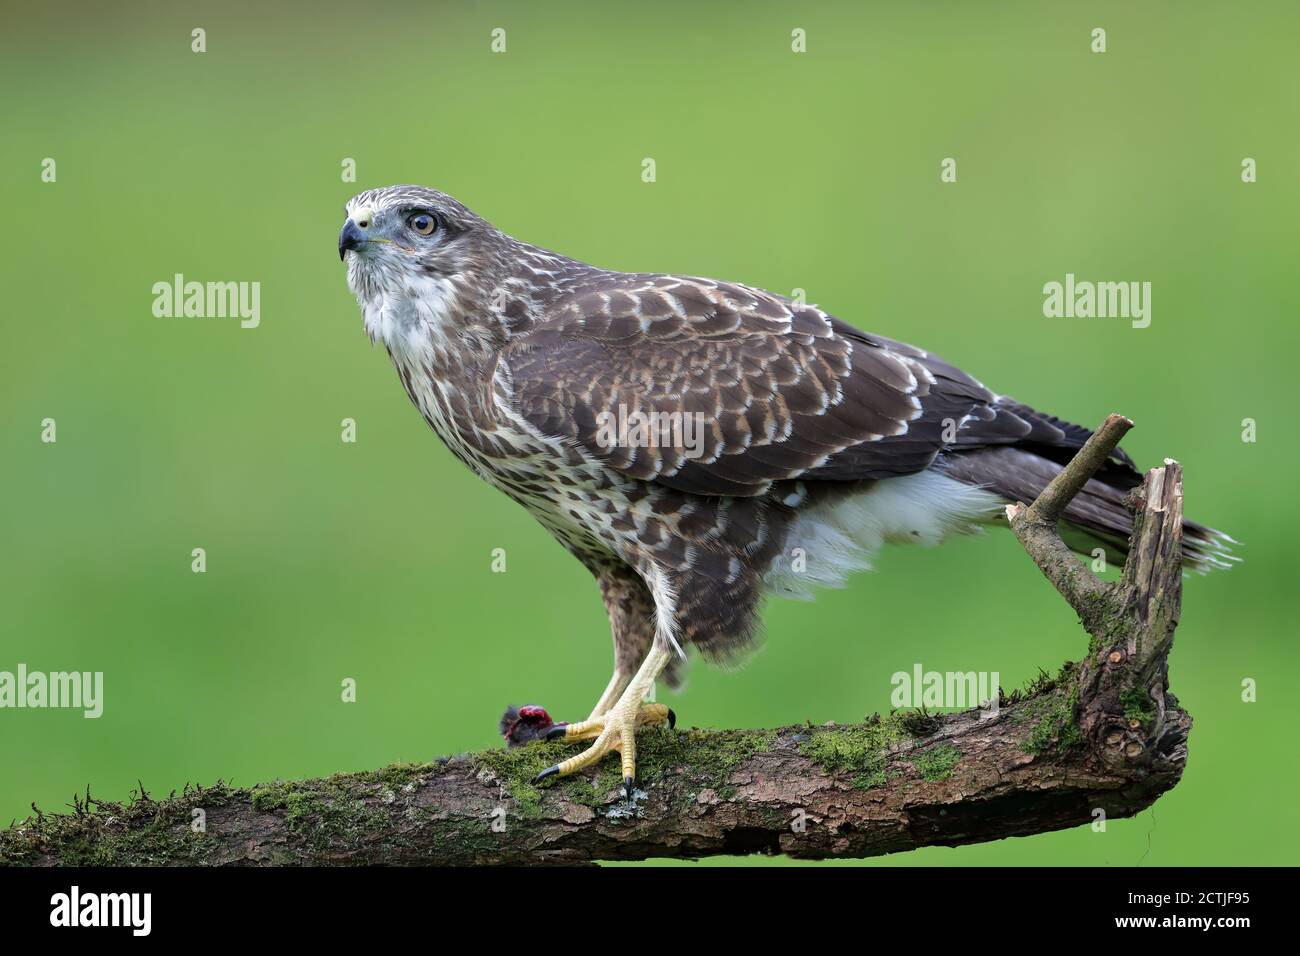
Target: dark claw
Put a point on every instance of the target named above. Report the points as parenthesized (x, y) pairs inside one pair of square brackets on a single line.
[(548, 772), (557, 731), (629, 787), (672, 719)]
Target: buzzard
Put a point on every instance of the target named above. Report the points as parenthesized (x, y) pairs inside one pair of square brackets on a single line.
[(775, 447)]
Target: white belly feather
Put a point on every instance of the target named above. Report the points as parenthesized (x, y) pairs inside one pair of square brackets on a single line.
[(841, 537)]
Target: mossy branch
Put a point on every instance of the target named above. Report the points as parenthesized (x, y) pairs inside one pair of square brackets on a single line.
[(1103, 735), (1127, 716), (889, 784)]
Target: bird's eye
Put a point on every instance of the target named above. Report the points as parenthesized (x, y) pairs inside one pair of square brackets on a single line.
[(423, 223)]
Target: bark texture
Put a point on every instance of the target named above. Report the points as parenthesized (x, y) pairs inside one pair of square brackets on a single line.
[(1105, 734)]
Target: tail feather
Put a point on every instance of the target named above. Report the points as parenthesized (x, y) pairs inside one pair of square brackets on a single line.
[(1096, 517)]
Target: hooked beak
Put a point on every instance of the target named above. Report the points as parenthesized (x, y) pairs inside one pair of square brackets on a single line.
[(350, 238)]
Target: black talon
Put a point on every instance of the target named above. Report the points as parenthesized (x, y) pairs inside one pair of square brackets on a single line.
[(557, 731), (672, 719), (629, 787), (548, 772)]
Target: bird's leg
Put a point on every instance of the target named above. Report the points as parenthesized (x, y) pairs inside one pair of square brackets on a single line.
[(617, 684), (616, 728), (631, 611)]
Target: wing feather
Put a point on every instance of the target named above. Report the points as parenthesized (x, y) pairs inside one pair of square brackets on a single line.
[(780, 390)]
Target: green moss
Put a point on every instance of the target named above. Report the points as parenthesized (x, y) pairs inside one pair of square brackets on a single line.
[(919, 723), (709, 757), (1138, 705), (336, 809), (458, 838), (1052, 704), (1108, 626), (165, 839), (100, 833), (1045, 683), (347, 811), (860, 750), (936, 764), (395, 775), (1055, 721), (271, 796), (17, 848), (517, 766)]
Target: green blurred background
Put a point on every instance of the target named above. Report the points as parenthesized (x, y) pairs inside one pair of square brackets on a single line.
[(818, 171)]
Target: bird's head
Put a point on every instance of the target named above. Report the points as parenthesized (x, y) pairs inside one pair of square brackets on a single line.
[(419, 263)]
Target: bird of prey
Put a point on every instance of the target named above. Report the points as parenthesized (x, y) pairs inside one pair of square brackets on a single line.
[(774, 448)]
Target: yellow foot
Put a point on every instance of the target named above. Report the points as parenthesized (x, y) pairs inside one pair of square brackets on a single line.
[(614, 730)]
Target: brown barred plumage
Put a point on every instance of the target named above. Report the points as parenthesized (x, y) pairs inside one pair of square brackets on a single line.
[(813, 435)]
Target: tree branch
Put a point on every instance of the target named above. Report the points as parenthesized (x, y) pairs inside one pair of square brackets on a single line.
[(1104, 735), (1036, 525)]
